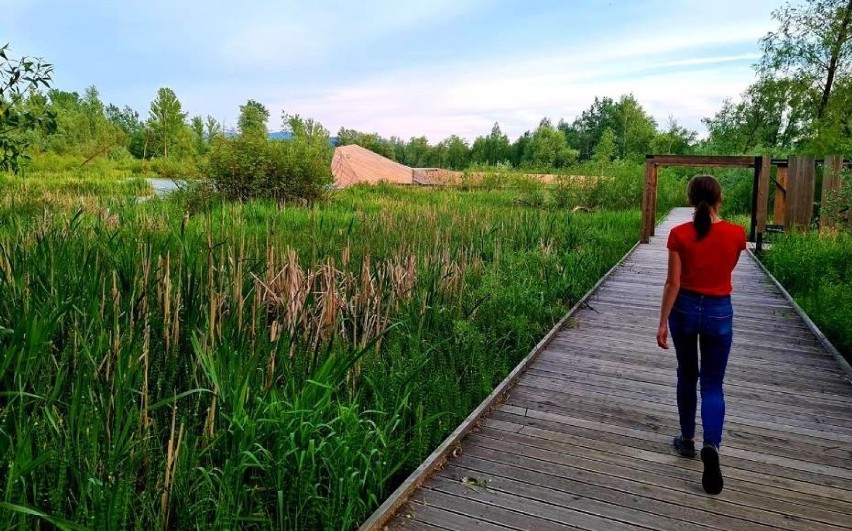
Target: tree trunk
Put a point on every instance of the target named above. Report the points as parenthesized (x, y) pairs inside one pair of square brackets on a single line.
[(835, 58)]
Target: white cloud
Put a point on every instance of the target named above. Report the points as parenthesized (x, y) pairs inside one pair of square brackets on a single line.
[(669, 76)]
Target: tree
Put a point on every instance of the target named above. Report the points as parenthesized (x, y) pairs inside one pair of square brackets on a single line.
[(166, 119), (634, 128), (455, 153), (18, 78), (197, 126), (675, 140), (212, 128), (771, 114), (492, 149), (605, 149), (585, 133), (813, 43), (549, 148), (252, 120)]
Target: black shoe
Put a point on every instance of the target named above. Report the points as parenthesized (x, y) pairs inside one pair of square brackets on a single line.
[(711, 480), (684, 448)]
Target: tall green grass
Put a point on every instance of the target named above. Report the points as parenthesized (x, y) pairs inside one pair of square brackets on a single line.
[(816, 269), (192, 363)]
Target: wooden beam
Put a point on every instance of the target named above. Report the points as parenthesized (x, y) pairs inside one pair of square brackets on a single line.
[(702, 160), (830, 186), (780, 195), (763, 192)]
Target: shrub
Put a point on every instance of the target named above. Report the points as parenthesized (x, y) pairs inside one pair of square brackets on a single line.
[(244, 168)]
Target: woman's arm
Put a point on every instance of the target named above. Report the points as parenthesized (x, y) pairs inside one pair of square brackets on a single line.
[(669, 295)]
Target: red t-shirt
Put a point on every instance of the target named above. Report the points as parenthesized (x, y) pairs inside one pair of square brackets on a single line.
[(706, 265)]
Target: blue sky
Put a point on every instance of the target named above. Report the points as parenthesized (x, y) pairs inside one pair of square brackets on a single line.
[(400, 67)]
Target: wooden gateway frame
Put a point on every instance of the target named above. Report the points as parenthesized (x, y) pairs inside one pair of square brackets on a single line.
[(795, 184)]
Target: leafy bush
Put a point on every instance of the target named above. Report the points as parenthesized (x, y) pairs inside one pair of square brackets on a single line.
[(299, 168)]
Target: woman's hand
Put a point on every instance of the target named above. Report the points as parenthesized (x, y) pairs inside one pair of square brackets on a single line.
[(663, 335)]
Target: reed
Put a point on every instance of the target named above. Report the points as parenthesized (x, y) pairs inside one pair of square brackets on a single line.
[(189, 362)]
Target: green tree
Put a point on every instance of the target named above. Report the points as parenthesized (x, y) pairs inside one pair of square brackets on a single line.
[(253, 119), (771, 114), (455, 153), (17, 120), (212, 128), (605, 149), (634, 128), (166, 119), (492, 149), (549, 148), (587, 129), (197, 126), (813, 43), (675, 140)]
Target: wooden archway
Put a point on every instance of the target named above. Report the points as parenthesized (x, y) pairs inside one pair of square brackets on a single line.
[(795, 185)]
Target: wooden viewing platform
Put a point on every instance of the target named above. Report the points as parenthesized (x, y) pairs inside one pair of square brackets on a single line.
[(582, 438)]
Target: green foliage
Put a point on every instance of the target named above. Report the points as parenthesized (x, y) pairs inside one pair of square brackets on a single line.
[(816, 268), (167, 122), (18, 118), (492, 149), (194, 381), (247, 167), (253, 119)]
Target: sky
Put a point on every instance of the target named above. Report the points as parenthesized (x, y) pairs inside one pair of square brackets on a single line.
[(401, 67)]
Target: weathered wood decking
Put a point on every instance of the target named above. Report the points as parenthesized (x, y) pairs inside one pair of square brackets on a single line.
[(583, 439)]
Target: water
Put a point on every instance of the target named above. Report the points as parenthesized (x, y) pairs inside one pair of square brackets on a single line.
[(163, 186)]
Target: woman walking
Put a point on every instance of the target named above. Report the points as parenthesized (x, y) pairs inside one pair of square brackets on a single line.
[(696, 309)]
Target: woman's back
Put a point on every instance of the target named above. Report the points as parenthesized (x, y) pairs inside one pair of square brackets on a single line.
[(706, 264)]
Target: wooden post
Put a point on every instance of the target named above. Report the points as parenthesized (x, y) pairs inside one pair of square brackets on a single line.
[(808, 169), (830, 185), (646, 201), (655, 170), (793, 180), (800, 192), (780, 196), (763, 193)]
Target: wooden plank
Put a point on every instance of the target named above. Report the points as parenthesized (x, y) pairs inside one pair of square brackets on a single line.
[(486, 506), (526, 501), (621, 476), (631, 440), (763, 192), (749, 489), (702, 160), (600, 501), (780, 205), (830, 186), (436, 459)]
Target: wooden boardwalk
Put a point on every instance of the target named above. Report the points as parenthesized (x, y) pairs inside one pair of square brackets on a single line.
[(583, 438)]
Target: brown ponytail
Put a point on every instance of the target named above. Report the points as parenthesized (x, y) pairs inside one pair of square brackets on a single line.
[(704, 193)]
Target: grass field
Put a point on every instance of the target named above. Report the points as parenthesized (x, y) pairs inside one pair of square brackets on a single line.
[(187, 362)]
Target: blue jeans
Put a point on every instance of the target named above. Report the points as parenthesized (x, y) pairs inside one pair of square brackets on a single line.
[(704, 322)]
